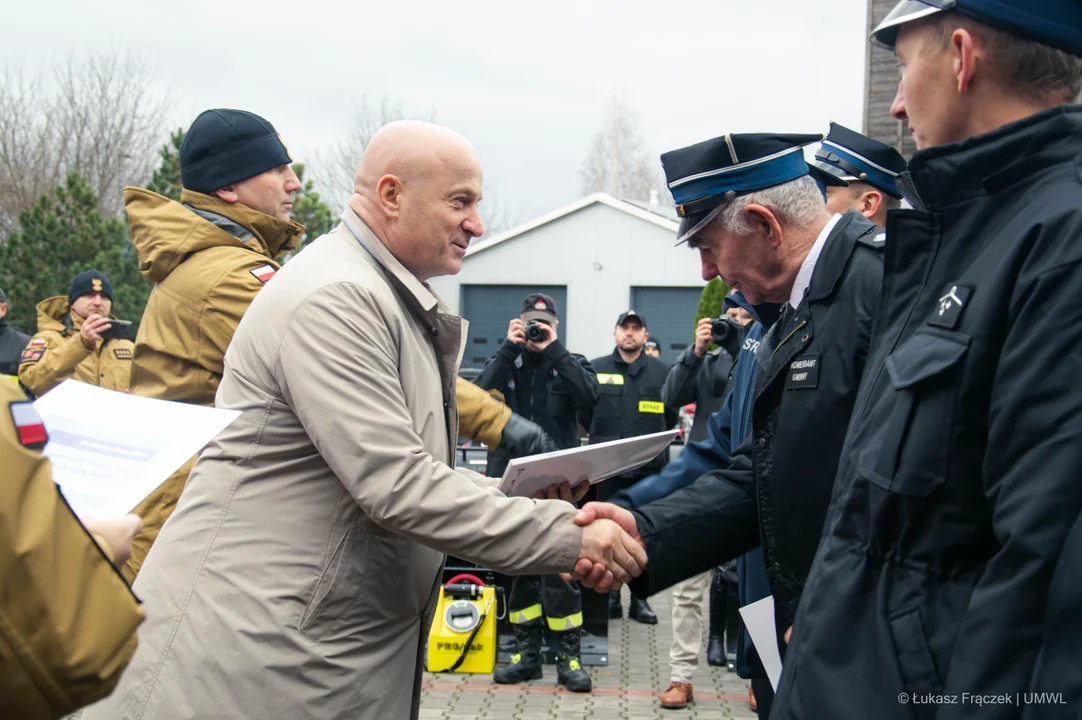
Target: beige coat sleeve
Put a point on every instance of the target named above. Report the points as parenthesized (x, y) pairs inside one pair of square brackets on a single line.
[(43, 368), (67, 619), (338, 370)]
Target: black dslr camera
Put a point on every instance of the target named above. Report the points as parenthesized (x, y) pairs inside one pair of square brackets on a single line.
[(535, 333), (727, 334)]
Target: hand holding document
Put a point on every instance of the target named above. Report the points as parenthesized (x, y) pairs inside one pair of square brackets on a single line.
[(109, 450), (593, 463)]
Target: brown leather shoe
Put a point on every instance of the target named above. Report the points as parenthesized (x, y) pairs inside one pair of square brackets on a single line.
[(677, 696), (752, 705)]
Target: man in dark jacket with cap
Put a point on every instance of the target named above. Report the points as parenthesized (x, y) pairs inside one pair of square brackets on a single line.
[(959, 480), (630, 405), (74, 340), (12, 341), (542, 382), (756, 218), (858, 173)]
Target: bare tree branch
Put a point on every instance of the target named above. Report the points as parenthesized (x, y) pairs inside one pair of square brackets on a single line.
[(618, 163), (98, 116)]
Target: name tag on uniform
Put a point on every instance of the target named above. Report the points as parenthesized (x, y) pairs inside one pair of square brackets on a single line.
[(652, 406), (122, 353), (610, 379), (803, 373)]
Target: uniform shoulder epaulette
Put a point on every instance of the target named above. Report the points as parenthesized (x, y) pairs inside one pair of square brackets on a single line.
[(875, 239)]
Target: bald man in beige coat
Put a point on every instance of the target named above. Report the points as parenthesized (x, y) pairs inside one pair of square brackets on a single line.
[(298, 575)]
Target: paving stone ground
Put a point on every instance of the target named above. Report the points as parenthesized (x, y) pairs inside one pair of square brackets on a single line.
[(628, 687)]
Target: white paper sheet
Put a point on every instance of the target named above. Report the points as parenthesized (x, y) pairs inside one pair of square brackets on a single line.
[(525, 476), (759, 620), (109, 450)]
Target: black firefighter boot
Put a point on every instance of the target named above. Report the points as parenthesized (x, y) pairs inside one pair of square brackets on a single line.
[(526, 663), (616, 609), (715, 647), (569, 670)]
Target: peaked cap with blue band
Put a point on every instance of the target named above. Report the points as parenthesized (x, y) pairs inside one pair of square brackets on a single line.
[(705, 176), (1056, 23), (847, 156)]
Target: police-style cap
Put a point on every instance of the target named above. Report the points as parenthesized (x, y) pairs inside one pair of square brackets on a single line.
[(538, 306), (1056, 23), (223, 147), (705, 176), (89, 281), (631, 315), (847, 156)]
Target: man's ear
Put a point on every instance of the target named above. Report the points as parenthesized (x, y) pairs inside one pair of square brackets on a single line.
[(764, 222), (389, 194), (870, 202), (227, 194), (965, 57)]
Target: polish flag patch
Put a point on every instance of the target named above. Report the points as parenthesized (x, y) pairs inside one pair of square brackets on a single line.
[(264, 273), (28, 425)]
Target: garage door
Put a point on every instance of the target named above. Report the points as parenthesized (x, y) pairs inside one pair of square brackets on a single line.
[(489, 308), (670, 313)]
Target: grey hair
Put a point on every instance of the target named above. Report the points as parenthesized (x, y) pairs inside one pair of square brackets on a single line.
[(797, 203)]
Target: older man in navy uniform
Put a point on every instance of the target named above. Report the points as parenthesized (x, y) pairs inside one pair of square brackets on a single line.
[(858, 173), (757, 218), (959, 480)]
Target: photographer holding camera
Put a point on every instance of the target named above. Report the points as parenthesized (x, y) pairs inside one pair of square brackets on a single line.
[(543, 382), (78, 337)]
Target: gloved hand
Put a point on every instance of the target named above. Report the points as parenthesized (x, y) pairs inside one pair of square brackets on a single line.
[(522, 437)]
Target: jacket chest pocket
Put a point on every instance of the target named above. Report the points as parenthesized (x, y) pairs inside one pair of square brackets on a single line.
[(558, 402), (913, 454)]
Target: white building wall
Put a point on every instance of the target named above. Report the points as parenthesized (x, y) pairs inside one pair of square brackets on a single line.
[(599, 253)]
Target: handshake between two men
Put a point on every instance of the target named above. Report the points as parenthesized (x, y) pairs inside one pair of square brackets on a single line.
[(612, 551)]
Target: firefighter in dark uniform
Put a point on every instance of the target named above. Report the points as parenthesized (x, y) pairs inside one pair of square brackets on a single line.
[(630, 405), (959, 481), (543, 382), (756, 217)]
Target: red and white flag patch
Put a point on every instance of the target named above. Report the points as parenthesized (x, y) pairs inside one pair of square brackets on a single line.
[(28, 425), (264, 273), (37, 342)]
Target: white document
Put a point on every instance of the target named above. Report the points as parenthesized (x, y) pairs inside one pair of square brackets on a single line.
[(759, 619), (109, 450), (525, 476)]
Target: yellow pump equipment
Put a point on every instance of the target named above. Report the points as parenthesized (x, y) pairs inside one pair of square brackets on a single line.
[(463, 634)]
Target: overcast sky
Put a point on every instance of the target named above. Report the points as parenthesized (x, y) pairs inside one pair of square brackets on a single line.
[(526, 82)]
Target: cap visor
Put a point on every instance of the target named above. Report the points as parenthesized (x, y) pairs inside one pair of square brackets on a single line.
[(691, 225), (537, 315), (886, 33), (827, 175)]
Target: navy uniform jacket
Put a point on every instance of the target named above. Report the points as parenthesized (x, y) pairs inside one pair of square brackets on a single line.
[(962, 470), (548, 388), (630, 405), (777, 485)]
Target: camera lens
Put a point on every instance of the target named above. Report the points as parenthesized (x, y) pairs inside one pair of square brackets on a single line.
[(720, 329), (535, 333)]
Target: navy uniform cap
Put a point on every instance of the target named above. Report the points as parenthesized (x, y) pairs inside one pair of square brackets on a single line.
[(1057, 23), (704, 177), (847, 156)]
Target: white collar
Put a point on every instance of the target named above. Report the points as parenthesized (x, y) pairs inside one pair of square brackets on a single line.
[(807, 268)]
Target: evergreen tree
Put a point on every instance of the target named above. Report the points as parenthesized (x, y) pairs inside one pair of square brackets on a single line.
[(166, 179), (711, 303), (309, 210), (59, 237)]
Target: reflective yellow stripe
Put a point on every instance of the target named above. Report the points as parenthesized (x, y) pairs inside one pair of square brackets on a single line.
[(525, 615), (651, 406), (567, 623), (610, 379)]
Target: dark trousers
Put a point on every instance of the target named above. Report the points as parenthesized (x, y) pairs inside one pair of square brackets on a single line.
[(764, 696), (537, 599)]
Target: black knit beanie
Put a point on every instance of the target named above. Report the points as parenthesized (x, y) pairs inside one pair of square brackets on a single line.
[(226, 146)]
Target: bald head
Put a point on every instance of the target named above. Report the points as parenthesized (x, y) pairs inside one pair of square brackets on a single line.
[(417, 188)]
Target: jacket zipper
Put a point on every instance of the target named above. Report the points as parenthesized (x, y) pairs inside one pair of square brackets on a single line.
[(791, 334)]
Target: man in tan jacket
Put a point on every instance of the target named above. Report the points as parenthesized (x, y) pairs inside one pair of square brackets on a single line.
[(67, 619), (74, 340), (210, 255), (298, 575)]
